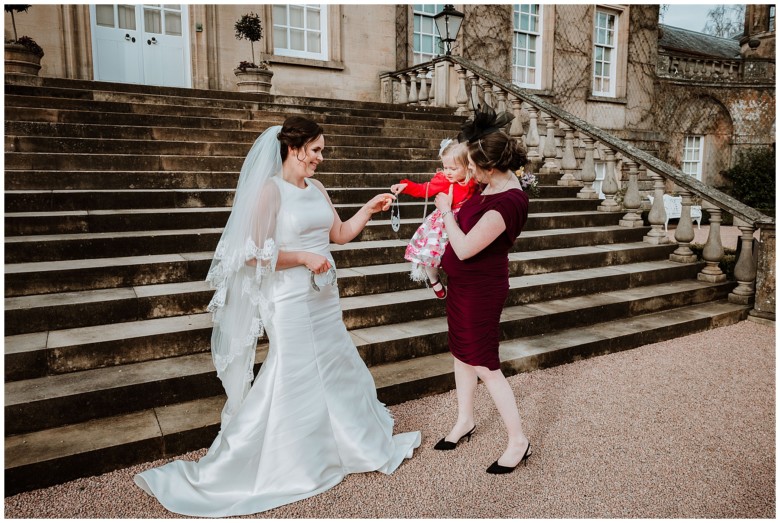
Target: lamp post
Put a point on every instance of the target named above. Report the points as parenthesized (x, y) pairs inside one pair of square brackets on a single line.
[(448, 24)]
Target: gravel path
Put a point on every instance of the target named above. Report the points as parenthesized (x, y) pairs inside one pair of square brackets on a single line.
[(682, 429)]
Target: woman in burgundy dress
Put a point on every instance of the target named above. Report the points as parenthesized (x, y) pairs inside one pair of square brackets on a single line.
[(477, 266)]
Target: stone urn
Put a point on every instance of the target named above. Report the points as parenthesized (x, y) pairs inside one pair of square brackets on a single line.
[(20, 60), (254, 79)]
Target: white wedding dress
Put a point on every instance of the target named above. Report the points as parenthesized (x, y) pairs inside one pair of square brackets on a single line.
[(312, 415)]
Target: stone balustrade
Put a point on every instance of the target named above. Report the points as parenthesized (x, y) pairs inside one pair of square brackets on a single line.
[(723, 70), (452, 81)]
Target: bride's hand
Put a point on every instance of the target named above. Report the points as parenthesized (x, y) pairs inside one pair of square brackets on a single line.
[(380, 202), (316, 263)]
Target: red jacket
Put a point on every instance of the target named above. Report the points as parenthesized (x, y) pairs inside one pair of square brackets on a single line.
[(439, 183)]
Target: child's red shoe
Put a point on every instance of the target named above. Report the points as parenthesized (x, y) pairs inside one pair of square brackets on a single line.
[(442, 292)]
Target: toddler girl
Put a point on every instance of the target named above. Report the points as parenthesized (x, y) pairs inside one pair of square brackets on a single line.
[(427, 245)]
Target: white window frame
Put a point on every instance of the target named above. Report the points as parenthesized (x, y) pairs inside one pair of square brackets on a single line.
[(603, 44), (771, 22), (519, 52), (692, 155), (282, 48), (422, 15)]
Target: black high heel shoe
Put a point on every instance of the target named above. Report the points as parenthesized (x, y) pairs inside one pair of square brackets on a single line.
[(495, 468), (443, 444)]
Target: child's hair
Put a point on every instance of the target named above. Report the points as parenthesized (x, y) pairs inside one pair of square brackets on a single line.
[(458, 151)]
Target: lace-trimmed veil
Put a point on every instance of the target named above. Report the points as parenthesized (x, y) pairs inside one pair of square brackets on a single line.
[(242, 301)]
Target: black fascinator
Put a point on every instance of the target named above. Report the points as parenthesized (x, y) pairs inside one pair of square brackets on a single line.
[(485, 121)]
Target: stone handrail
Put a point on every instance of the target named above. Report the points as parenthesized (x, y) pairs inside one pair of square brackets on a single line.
[(437, 86), (681, 67)]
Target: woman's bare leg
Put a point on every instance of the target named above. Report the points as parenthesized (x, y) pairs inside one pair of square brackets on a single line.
[(465, 387), (504, 398)]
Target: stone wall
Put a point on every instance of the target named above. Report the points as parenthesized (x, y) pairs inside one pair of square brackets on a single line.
[(489, 42)]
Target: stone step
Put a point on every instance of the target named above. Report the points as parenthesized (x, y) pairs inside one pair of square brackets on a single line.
[(277, 107), (172, 162), (336, 134), (74, 246), (100, 273), (162, 116), (102, 345), (51, 456), (107, 212), (96, 90), (158, 141), (152, 148), (46, 180)]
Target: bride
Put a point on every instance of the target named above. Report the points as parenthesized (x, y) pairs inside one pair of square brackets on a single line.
[(312, 415)]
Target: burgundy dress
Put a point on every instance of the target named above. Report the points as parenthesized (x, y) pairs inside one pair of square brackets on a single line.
[(478, 287)]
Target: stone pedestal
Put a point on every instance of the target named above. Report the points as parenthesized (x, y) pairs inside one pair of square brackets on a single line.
[(254, 80), (20, 60), (764, 307)]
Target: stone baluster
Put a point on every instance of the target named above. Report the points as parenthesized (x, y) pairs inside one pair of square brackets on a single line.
[(462, 99), (610, 185), (588, 171), (516, 128), (713, 249), (422, 98), (532, 139), (632, 200), (476, 99), (568, 160), (745, 269), (549, 151), (500, 95), (413, 96), (764, 305), (684, 233), (487, 92), (657, 215), (432, 100), (403, 96)]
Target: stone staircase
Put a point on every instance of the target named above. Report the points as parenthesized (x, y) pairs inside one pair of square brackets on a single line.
[(115, 196)]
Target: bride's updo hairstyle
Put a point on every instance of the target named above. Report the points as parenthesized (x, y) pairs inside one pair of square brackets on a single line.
[(499, 151), (296, 132)]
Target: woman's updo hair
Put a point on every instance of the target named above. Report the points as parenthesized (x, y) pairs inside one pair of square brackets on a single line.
[(498, 151), (296, 132)]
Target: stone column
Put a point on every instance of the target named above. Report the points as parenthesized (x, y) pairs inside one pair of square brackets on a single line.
[(657, 214), (403, 97), (413, 96), (745, 269), (516, 129), (632, 200), (609, 186), (532, 139), (684, 233), (500, 94), (550, 151), (476, 99), (423, 96), (462, 98), (588, 171), (764, 307), (568, 161), (713, 249)]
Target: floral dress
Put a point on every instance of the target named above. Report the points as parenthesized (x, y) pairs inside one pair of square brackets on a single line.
[(427, 245)]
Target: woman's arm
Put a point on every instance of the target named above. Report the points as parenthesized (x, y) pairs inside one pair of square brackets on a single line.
[(343, 232), (487, 229)]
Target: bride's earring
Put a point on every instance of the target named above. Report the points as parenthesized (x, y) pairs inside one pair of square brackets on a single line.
[(395, 216)]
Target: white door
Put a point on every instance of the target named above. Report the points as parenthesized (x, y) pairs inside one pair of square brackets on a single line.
[(145, 44)]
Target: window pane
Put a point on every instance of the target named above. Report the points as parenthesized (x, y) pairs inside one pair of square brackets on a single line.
[(280, 15), (313, 19), (427, 44), (417, 41), (608, 55), (152, 21), (532, 59), (417, 22), (427, 25), (297, 42), (126, 16), (172, 23), (598, 69), (177, 7), (296, 16), (313, 42), (599, 54), (104, 15), (531, 76), (524, 23), (280, 37)]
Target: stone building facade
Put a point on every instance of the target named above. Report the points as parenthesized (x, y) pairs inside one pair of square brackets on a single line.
[(666, 98)]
